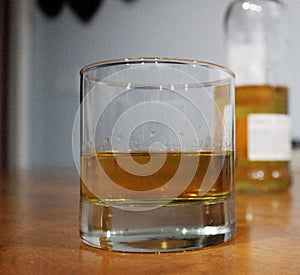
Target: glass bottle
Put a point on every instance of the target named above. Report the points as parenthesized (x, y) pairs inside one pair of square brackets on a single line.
[(256, 37)]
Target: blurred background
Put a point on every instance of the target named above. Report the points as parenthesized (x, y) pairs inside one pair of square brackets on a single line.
[(44, 46)]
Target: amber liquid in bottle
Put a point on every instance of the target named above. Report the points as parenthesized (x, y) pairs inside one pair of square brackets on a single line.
[(259, 175)]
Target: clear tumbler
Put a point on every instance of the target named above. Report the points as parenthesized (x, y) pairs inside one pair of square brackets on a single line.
[(156, 154)]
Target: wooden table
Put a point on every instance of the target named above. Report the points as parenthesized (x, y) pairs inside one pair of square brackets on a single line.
[(39, 234)]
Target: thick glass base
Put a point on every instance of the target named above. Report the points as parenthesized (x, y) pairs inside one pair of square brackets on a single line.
[(173, 227)]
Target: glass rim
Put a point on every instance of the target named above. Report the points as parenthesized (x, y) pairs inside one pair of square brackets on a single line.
[(162, 60), (135, 60)]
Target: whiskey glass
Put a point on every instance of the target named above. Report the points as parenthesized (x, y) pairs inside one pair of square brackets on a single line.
[(156, 154)]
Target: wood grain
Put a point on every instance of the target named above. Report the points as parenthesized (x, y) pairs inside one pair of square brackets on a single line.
[(39, 234)]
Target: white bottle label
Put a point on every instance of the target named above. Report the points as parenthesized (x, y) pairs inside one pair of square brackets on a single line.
[(269, 137)]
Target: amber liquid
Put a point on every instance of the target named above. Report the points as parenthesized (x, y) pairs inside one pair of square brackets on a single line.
[(198, 215), (222, 186), (258, 175)]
